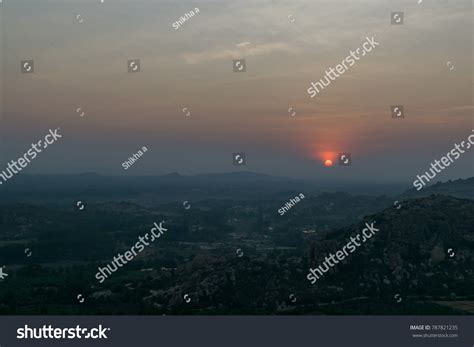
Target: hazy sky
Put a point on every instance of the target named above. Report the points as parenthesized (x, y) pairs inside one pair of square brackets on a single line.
[(85, 65)]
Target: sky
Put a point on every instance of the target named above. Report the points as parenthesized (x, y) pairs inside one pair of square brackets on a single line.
[(80, 51)]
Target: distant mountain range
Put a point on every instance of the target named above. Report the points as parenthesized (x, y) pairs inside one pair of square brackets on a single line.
[(174, 186), (461, 188)]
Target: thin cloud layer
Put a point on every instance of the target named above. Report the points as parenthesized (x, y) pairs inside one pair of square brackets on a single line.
[(243, 49)]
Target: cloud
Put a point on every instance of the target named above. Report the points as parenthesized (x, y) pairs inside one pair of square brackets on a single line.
[(243, 44), (459, 108), (243, 49)]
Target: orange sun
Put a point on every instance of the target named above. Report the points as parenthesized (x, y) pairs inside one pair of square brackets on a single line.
[(328, 163)]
